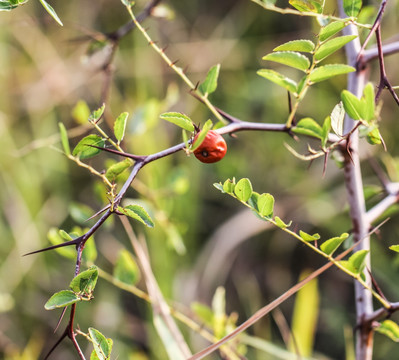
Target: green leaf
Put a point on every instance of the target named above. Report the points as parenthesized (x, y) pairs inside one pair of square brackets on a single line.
[(90, 252), (281, 224), (331, 29), (307, 6), (219, 186), (102, 345), (83, 150), (305, 317), (329, 246), (307, 237), (289, 58), (325, 72), (96, 114), (337, 119), (352, 7), (296, 45), (352, 105), (203, 312), (368, 102), (178, 119), (51, 11), (120, 126), (374, 136), (389, 328), (266, 205), (85, 282), (116, 169), (64, 139), (81, 112), (202, 135), (126, 269), (394, 248), (309, 127), (243, 190), (61, 299), (326, 130), (137, 212), (211, 82), (331, 46), (55, 238), (253, 202), (357, 261), (278, 79), (228, 186), (7, 5)]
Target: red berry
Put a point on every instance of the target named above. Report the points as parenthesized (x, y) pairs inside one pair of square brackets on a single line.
[(212, 149)]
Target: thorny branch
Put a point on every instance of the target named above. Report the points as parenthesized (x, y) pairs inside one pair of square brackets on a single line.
[(235, 125)]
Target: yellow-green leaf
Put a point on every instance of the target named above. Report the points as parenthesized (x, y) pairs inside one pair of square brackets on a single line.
[(289, 58), (278, 79), (296, 45)]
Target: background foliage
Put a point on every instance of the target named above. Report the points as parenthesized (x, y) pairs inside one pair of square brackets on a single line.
[(46, 70)]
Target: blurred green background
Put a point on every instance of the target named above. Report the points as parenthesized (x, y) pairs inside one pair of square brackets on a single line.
[(45, 70)]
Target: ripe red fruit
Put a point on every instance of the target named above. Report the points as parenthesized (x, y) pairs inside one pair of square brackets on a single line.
[(212, 149)]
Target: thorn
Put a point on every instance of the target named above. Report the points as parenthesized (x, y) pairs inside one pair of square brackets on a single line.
[(185, 69), (131, 156), (60, 319), (164, 48), (173, 63), (76, 242), (98, 212)]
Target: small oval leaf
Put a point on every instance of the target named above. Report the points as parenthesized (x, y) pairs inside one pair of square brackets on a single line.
[(278, 79), (331, 29), (296, 45), (243, 189), (84, 150), (178, 119), (389, 328), (325, 72), (309, 127), (61, 299), (228, 186), (329, 246), (307, 6), (266, 205), (64, 139), (394, 248), (96, 114), (352, 105), (126, 269), (337, 119), (137, 212), (281, 224), (211, 82), (85, 282), (116, 169), (307, 237), (357, 261), (332, 46), (352, 7), (102, 345), (289, 58), (120, 126)]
